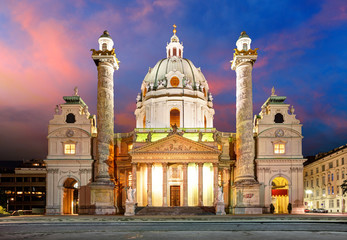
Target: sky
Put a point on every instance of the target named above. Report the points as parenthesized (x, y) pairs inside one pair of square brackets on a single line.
[(45, 52)]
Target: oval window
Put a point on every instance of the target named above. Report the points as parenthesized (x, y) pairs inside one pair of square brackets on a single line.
[(174, 81)]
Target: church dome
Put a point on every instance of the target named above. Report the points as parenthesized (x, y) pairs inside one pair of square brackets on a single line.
[(174, 87), (160, 72)]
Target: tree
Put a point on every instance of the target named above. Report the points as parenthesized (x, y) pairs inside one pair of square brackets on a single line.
[(344, 187)]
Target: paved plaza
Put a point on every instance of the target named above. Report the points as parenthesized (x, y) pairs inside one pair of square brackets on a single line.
[(282, 227)]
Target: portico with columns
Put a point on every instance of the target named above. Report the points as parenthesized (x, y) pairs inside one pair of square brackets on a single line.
[(175, 171)]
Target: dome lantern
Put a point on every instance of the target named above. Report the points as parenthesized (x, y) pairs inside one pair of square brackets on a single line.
[(174, 48), (105, 42), (244, 42)]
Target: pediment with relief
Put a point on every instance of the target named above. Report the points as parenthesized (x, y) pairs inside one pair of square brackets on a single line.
[(176, 144)]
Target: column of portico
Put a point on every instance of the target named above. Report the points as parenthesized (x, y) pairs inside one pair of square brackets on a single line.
[(134, 179), (200, 185), (185, 184), (149, 184), (215, 181), (225, 183), (164, 165)]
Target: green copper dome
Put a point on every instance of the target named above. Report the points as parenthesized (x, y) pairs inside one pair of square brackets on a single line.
[(183, 65), (244, 35), (105, 34)]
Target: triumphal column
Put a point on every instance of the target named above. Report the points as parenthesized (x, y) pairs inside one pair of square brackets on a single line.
[(102, 189), (246, 188)]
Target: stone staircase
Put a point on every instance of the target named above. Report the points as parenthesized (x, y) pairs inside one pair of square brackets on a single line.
[(164, 211)]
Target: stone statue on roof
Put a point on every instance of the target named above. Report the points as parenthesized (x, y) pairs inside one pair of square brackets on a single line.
[(76, 91)]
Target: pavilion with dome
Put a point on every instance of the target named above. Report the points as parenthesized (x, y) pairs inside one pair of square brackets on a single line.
[(174, 157)]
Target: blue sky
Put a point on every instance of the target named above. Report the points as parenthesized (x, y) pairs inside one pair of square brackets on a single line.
[(302, 53)]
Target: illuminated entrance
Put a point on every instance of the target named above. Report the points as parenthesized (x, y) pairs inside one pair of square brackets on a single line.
[(280, 198), (175, 194), (70, 196)]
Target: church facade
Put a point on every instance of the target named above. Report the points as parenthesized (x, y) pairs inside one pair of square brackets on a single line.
[(174, 157)]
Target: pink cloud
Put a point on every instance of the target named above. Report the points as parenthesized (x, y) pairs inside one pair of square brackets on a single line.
[(220, 84)]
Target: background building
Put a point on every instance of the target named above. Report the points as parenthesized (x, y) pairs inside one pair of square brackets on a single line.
[(323, 175), (24, 186)]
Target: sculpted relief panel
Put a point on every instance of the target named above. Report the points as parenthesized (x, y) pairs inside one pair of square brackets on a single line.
[(244, 123), (105, 117)]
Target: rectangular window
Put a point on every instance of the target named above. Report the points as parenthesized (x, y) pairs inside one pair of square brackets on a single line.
[(70, 148), (342, 161), (328, 190), (323, 168), (323, 191), (332, 177), (337, 190), (338, 203), (306, 174), (317, 193), (279, 148), (331, 165), (332, 190), (337, 162), (317, 182), (311, 171), (311, 183), (337, 176), (317, 170), (331, 203), (343, 175)]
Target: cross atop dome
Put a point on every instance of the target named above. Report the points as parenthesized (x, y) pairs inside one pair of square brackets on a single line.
[(174, 48)]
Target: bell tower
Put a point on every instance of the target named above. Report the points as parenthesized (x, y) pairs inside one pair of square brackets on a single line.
[(102, 189)]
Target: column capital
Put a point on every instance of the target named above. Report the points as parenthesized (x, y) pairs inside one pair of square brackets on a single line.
[(184, 164), (164, 164)]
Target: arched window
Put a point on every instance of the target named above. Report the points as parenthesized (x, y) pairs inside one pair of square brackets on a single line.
[(245, 46), (279, 118), (205, 122), (144, 122), (174, 81), (174, 52), (70, 118), (104, 46), (175, 117)]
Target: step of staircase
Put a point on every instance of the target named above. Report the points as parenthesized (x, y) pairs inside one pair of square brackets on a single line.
[(164, 211)]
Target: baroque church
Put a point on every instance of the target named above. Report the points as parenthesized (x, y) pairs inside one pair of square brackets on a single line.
[(174, 157)]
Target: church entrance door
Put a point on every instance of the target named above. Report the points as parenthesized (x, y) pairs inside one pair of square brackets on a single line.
[(175, 195), (70, 196), (280, 197)]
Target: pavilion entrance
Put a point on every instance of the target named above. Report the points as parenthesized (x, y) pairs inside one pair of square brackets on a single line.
[(279, 194), (70, 196)]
